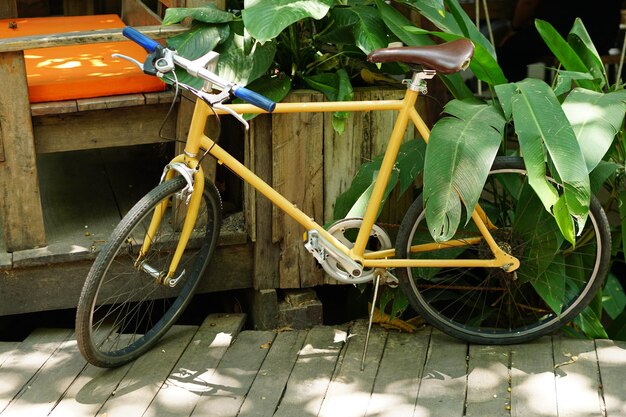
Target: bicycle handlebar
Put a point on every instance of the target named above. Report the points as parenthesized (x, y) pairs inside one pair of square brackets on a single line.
[(197, 71), (139, 38)]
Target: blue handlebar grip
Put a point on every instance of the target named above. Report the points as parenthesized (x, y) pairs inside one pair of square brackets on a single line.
[(134, 35), (255, 98)]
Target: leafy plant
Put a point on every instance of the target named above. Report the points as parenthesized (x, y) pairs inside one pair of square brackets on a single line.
[(574, 123)]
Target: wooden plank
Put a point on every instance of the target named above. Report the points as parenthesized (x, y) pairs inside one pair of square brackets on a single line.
[(181, 391), (344, 153), (227, 388), (266, 391), (54, 107), (50, 383), (444, 379), (347, 395), (612, 362), (57, 286), (27, 361), (78, 38), (111, 102), (20, 208), (89, 391), (135, 13), (6, 350), (258, 209), (488, 391), (399, 374), (533, 384), (139, 386), (577, 383), (101, 129), (297, 143), (311, 375), (159, 97)]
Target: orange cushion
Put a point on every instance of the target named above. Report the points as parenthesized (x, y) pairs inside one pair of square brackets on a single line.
[(80, 71)]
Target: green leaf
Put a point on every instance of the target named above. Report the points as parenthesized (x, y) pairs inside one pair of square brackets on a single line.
[(596, 118), (538, 231), (409, 165), (241, 66), (581, 42), (505, 94), (603, 172), (369, 32), (460, 152), (622, 217), (613, 297), (565, 79), (208, 14), (396, 22), (266, 19), (590, 324), (550, 285), (543, 128), (199, 40), (617, 330), (566, 55)]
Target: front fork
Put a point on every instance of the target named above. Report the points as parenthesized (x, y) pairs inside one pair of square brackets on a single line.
[(194, 175)]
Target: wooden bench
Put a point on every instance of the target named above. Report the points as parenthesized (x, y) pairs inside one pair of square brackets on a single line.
[(28, 130)]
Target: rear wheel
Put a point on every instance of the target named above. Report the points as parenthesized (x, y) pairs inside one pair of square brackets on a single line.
[(553, 284), (123, 310)]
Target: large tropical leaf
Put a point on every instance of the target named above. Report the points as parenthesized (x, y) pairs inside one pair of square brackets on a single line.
[(613, 297), (566, 55), (199, 40), (208, 14), (369, 32), (242, 60), (596, 118), (460, 152), (581, 42), (543, 129), (266, 19)]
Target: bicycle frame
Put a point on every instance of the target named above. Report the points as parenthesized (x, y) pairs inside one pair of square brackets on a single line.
[(198, 141)]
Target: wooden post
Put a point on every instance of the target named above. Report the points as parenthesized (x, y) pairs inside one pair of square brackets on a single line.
[(258, 209), (298, 174), (78, 8), (8, 8), (20, 203)]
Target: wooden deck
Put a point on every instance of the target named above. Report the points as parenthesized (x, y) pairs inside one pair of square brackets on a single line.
[(218, 370)]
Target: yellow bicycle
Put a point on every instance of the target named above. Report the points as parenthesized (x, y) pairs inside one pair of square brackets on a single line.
[(486, 285)]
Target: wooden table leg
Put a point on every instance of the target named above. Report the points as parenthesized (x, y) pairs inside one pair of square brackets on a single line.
[(20, 204)]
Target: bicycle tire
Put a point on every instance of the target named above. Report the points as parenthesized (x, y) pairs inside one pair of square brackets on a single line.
[(488, 305), (123, 311)]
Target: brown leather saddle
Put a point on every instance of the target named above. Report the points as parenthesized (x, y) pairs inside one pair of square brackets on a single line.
[(446, 58)]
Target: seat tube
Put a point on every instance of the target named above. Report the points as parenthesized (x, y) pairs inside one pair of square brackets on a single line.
[(384, 174)]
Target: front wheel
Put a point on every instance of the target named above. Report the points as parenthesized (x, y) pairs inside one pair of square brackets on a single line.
[(553, 284), (123, 310)]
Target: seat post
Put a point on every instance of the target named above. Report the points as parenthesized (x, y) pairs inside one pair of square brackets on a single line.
[(418, 82)]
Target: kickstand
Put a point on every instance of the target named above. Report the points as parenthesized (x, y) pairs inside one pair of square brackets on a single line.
[(369, 325)]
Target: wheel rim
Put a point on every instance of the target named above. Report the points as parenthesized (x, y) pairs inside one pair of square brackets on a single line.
[(491, 304), (130, 310)]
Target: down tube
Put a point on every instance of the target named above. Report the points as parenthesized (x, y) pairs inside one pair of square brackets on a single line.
[(274, 196)]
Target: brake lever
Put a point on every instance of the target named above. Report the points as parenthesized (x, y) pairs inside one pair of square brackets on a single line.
[(129, 59), (233, 113)]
